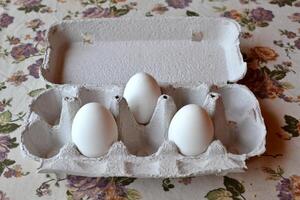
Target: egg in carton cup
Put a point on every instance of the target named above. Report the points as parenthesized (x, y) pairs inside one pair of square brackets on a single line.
[(192, 59)]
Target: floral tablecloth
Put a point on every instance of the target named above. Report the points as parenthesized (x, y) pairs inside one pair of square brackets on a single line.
[(270, 42)]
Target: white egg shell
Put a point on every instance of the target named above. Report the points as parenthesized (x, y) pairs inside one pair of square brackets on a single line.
[(94, 130), (141, 93), (191, 129)]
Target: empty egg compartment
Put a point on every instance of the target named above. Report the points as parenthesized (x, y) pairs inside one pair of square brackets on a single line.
[(41, 138), (245, 121)]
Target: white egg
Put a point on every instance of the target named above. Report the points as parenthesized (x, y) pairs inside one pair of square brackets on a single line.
[(94, 130), (191, 129), (141, 93)]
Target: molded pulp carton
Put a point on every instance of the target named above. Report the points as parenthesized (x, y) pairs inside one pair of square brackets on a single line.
[(195, 60)]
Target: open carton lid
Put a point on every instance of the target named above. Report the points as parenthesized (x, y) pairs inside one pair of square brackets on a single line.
[(186, 50)]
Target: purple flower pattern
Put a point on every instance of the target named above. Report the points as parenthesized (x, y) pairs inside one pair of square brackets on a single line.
[(34, 68), (32, 5), (40, 36), (178, 3), (23, 51), (5, 20), (96, 12), (98, 188), (258, 17), (284, 188), (260, 14), (86, 187)]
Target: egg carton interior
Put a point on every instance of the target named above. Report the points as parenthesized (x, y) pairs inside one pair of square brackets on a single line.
[(144, 150)]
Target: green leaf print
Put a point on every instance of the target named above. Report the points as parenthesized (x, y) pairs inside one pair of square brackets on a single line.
[(8, 162), (234, 186), (36, 92), (292, 121), (124, 180), (234, 191), (13, 143), (5, 163), (219, 194), (167, 185), (6, 125), (2, 86), (118, 12), (9, 127), (277, 75), (2, 167), (5, 117), (191, 13), (287, 85), (133, 194), (292, 126)]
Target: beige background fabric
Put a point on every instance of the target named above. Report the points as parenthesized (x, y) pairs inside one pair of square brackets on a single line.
[(270, 42)]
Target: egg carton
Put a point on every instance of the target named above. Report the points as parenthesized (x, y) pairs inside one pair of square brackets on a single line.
[(94, 66)]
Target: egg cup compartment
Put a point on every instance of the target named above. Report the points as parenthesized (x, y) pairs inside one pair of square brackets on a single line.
[(91, 61)]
